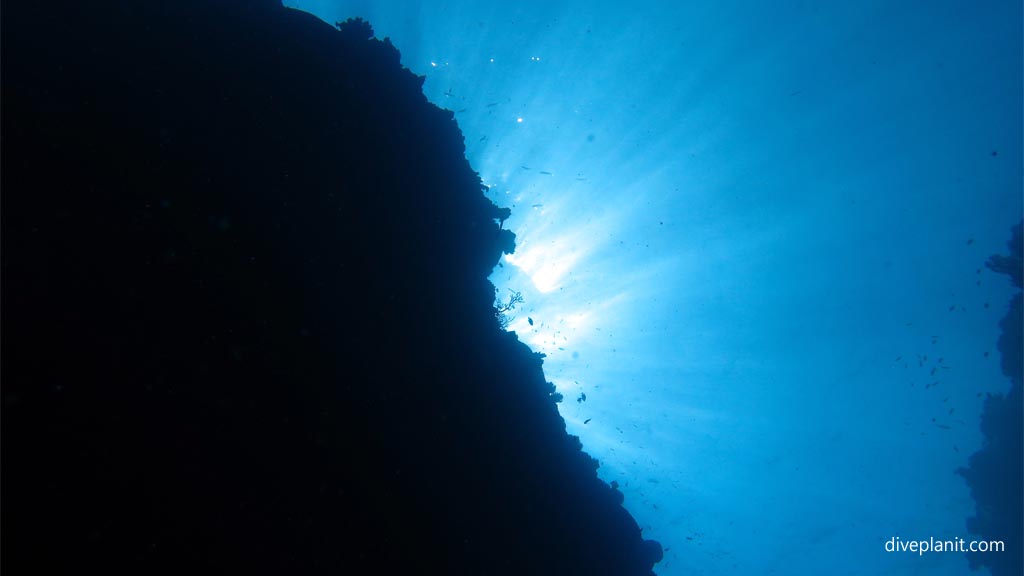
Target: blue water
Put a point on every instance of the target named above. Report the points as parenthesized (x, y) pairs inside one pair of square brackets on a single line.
[(753, 235)]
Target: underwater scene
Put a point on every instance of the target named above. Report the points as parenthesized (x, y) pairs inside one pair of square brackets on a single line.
[(561, 287)]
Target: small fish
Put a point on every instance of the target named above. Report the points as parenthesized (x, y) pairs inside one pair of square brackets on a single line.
[(898, 358), (536, 206), (943, 426), (582, 398), (587, 421), (530, 320), (970, 241), (493, 104), (524, 167), (953, 307), (546, 172)]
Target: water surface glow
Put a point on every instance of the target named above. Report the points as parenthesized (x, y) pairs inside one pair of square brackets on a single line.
[(748, 232)]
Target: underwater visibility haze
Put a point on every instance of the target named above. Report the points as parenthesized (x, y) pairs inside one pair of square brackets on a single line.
[(768, 253), (752, 236)]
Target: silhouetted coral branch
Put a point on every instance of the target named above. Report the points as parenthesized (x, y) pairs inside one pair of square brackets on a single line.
[(356, 28)]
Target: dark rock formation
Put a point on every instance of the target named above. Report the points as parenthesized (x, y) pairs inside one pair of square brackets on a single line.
[(246, 321), (995, 473)]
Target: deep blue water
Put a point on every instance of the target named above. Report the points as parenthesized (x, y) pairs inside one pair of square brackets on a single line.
[(753, 235)]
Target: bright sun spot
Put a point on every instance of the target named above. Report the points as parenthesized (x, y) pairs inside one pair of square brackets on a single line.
[(545, 265)]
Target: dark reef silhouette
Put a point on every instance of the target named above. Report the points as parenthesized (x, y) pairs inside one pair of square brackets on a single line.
[(247, 325), (995, 473)]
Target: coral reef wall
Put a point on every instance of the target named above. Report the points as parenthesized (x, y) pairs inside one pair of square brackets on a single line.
[(995, 473), (247, 325)]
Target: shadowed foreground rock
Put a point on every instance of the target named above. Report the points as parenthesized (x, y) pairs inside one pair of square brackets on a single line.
[(995, 473), (246, 322)]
